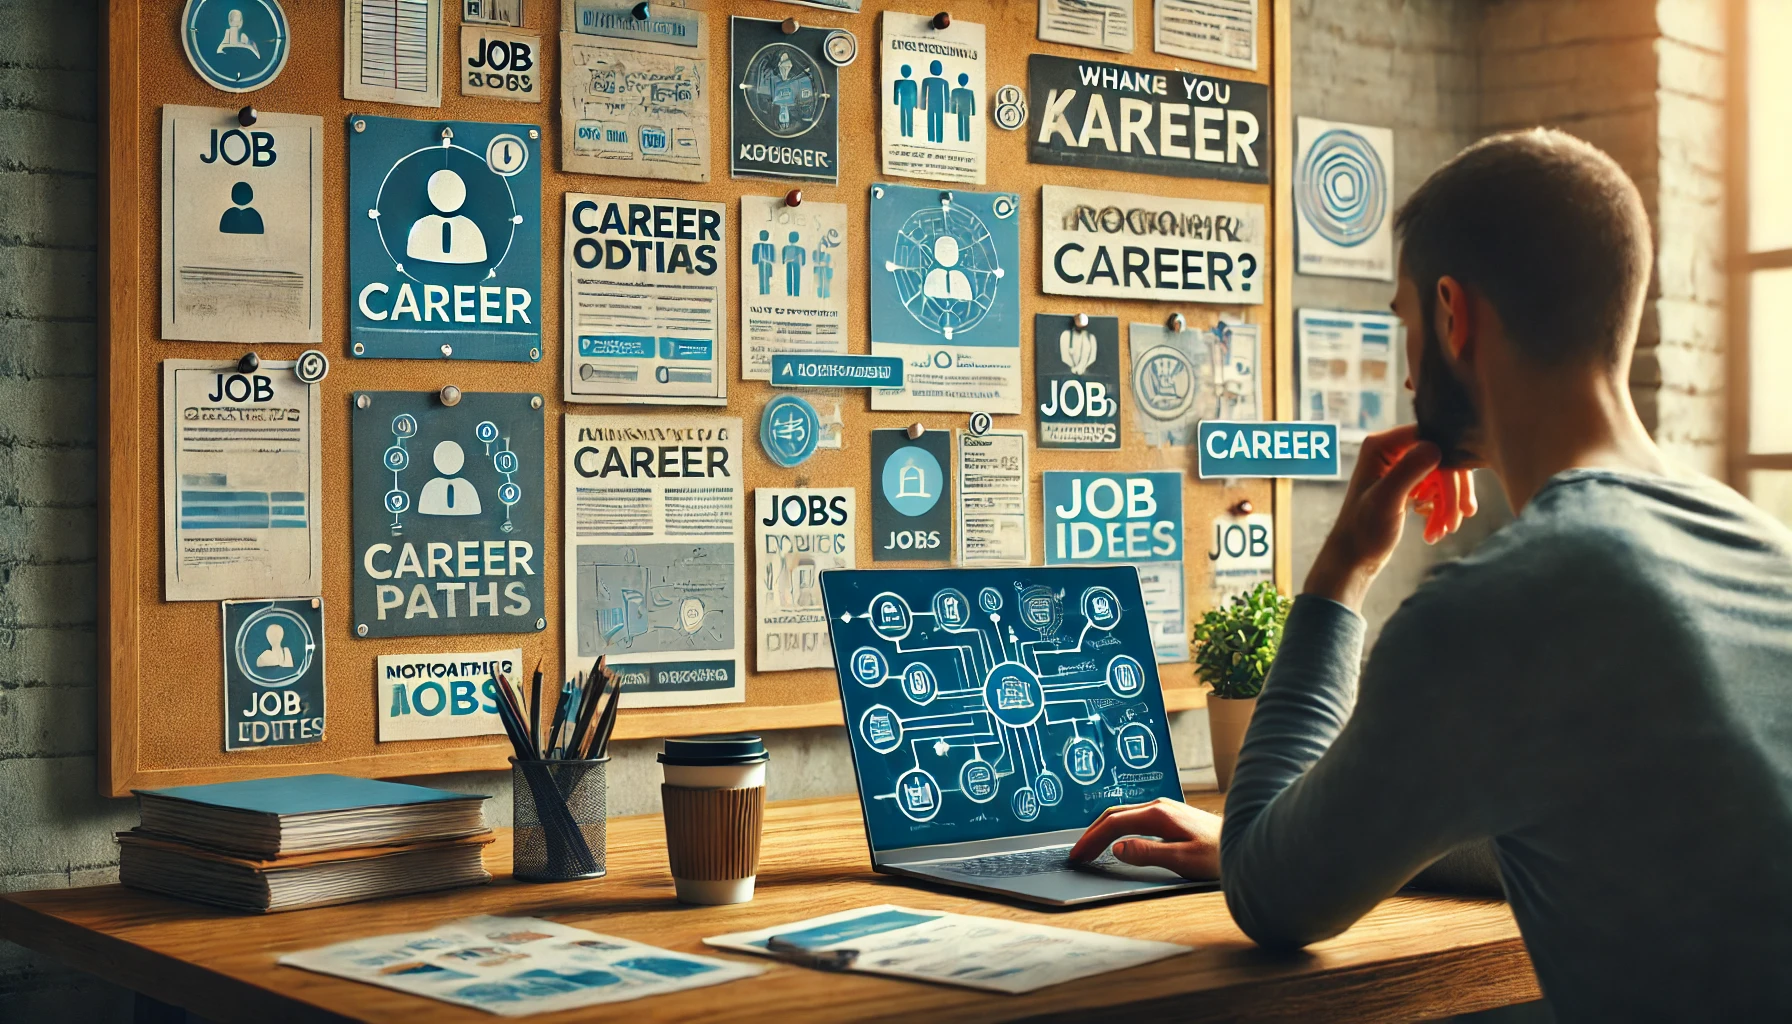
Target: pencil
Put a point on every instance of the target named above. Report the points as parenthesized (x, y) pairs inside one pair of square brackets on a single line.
[(535, 711), (587, 706), (560, 708), (608, 724)]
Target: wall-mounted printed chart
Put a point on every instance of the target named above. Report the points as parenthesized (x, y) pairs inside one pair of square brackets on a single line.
[(448, 513), (634, 92), (273, 673), (1122, 245), (945, 297), (444, 239), (236, 45), (242, 227), (793, 281), (645, 288), (785, 105), (1343, 196), (392, 51)]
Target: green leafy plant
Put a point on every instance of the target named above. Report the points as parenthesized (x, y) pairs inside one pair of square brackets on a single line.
[(1235, 644)]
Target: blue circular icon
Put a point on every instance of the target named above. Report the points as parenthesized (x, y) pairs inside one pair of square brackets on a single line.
[(505, 461), (1083, 760), (274, 647), (990, 598), (950, 609), (486, 431), (880, 728), (236, 45), (917, 795), (509, 493), (919, 683), (1025, 803), (1048, 789), (869, 667), (397, 501), (1125, 676), (443, 216), (1342, 189), (890, 616), (912, 480), (397, 458), (1013, 695), (404, 425), (946, 268), (789, 430), (977, 780), (1101, 608), (1138, 747)]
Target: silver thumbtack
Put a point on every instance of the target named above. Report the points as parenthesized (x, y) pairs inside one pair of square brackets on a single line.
[(1081, 320), (450, 396), (1176, 322), (915, 430)]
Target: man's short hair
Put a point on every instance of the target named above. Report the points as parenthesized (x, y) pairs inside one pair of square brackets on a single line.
[(1549, 230)]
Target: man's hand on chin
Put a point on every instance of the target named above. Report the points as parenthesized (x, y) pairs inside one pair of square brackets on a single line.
[(1188, 840)]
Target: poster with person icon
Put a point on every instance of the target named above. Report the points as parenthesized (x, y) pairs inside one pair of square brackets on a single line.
[(448, 513), (785, 119), (444, 239), (945, 297), (932, 99), (242, 227), (793, 281), (273, 673)]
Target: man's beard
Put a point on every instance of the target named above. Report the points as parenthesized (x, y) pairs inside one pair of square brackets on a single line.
[(1442, 404)]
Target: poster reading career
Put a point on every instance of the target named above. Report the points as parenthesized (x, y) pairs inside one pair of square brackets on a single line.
[(1121, 245)]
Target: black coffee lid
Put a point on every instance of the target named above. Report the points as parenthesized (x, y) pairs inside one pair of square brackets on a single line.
[(735, 748)]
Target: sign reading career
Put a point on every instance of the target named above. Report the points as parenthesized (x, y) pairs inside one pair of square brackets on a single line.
[(1093, 114), (444, 240), (785, 120)]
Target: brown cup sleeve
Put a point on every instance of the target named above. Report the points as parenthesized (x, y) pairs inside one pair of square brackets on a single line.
[(713, 834)]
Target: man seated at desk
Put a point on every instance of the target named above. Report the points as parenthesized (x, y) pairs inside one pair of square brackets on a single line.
[(1603, 689)]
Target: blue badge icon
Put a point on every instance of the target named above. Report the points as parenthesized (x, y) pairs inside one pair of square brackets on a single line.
[(236, 45), (912, 480), (789, 429), (274, 647)]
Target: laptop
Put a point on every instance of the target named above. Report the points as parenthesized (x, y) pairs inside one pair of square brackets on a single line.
[(994, 714)]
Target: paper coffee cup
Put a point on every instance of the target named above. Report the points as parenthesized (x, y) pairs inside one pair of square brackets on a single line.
[(714, 799)]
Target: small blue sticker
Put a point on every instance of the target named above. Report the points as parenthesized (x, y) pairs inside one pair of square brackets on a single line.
[(789, 430), (236, 45)]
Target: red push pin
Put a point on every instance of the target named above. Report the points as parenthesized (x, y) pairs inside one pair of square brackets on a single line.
[(794, 197), (942, 20)]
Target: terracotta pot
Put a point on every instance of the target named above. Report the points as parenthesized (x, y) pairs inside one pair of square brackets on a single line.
[(1227, 720)]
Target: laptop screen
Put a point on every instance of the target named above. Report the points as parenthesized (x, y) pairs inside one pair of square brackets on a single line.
[(985, 703)]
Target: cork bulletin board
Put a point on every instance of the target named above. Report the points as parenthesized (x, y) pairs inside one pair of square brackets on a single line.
[(162, 698)]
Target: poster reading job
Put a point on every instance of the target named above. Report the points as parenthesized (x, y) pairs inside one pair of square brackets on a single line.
[(500, 63), (655, 568), (945, 297), (444, 239), (634, 92), (934, 122), (802, 532), (793, 281), (242, 477), (1089, 113), (1180, 378), (1125, 519), (645, 289), (785, 120), (1076, 381), (1121, 245), (448, 512), (273, 673), (242, 227)]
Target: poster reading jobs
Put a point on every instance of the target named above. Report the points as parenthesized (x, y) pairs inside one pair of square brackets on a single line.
[(654, 564), (802, 533)]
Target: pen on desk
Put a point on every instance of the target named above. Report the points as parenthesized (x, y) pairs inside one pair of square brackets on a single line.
[(820, 959), (512, 728)]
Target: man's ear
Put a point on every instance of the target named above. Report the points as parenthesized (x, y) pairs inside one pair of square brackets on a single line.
[(1454, 322)]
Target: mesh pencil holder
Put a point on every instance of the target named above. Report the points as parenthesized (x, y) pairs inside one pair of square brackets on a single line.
[(560, 811)]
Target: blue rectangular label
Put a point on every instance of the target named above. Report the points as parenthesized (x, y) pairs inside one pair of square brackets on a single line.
[(686, 348), (1268, 449), (1096, 518), (837, 371), (618, 346)]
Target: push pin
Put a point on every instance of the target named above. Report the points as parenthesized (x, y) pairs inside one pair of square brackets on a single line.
[(249, 363), (450, 396), (1176, 322), (641, 12), (945, 200), (447, 133), (1081, 320), (794, 197), (247, 116), (915, 430), (790, 26), (942, 20), (1243, 507)]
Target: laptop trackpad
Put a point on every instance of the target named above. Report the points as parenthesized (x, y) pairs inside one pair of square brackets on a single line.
[(1108, 867)]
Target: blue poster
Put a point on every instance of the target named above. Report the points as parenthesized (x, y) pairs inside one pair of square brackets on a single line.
[(1126, 518), (1259, 448), (236, 45), (990, 702), (444, 239), (273, 673), (945, 297), (911, 496)]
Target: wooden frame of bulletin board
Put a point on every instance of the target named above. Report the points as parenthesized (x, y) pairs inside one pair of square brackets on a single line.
[(162, 694)]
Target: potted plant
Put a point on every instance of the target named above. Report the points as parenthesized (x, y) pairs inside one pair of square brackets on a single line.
[(1233, 648)]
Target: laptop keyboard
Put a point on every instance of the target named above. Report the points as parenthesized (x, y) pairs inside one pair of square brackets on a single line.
[(1024, 862)]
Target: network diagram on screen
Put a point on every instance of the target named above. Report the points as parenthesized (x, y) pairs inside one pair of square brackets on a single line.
[(997, 702)]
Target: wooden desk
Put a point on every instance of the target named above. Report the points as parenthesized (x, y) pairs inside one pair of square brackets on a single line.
[(1413, 958)]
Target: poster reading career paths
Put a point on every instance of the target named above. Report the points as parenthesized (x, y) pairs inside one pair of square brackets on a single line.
[(645, 286), (242, 227), (242, 476), (945, 297), (802, 532), (793, 281), (934, 121), (785, 111), (1125, 519), (1120, 245), (634, 92), (444, 239), (655, 561)]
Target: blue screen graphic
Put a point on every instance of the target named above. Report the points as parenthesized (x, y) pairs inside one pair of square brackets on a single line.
[(996, 702)]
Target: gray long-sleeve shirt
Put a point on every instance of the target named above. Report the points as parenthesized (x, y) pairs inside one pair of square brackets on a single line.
[(1604, 689)]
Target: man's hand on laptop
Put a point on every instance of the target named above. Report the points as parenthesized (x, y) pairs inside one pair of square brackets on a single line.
[(1188, 840)]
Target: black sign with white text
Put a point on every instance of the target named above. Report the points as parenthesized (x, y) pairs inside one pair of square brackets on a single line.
[(1076, 379)]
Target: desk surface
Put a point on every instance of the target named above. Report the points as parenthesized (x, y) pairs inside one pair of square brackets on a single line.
[(1413, 957)]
